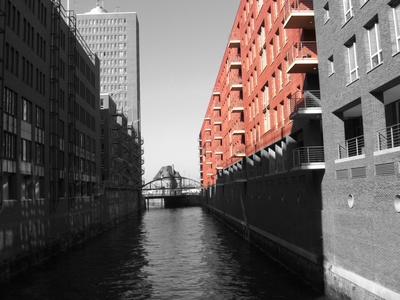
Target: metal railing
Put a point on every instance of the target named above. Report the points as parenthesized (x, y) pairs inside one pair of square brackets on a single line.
[(302, 50), (351, 147), (305, 99), (236, 104), (296, 6), (308, 155), (239, 150), (234, 58), (234, 36), (389, 137), (238, 126), (235, 79)]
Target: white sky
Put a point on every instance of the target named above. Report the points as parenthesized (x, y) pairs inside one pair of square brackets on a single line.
[(181, 47)]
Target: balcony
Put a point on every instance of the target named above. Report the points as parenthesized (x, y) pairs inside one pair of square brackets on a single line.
[(305, 105), (217, 120), (302, 57), (299, 14), (389, 138), (219, 150), (217, 105), (351, 147), (234, 40), (235, 82), (309, 158), (234, 61), (217, 135), (239, 151), (236, 105), (238, 128)]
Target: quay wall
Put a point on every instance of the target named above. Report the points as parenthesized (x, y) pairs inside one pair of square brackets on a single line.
[(283, 215), (33, 230)]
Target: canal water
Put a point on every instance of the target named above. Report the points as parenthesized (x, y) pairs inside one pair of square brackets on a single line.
[(169, 254)]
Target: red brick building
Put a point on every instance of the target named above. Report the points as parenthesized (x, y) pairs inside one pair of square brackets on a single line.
[(258, 101)]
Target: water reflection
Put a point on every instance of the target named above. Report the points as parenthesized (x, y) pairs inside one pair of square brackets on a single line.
[(165, 254)]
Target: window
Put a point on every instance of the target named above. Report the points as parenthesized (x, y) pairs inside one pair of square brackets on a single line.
[(326, 13), (396, 18), (9, 145), (26, 110), (348, 10), (331, 65), (39, 118), (267, 121), (26, 150), (374, 43), (10, 102), (352, 58)]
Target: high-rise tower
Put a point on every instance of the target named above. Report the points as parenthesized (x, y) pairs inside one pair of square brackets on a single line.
[(114, 37)]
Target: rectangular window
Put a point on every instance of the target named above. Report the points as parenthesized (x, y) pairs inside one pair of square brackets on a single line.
[(267, 122), (10, 102), (348, 10), (352, 57), (39, 154), (326, 13), (331, 65), (26, 150), (375, 48), (396, 18), (9, 145), (39, 118), (26, 110)]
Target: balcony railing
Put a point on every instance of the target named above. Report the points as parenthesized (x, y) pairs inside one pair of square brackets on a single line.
[(217, 135), (234, 60), (238, 128), (389, 137), (305, 55), (351, 147), (236, 104), (239, 150), (304, 101), (234, 39), (308, 155), (235, 80), (299, 14)]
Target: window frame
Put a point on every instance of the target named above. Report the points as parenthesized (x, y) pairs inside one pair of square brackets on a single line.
[(347, 10), (352, 52), (396, 20), (373, 33)]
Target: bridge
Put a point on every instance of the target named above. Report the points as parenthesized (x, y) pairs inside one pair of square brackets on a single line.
[(175, 191)]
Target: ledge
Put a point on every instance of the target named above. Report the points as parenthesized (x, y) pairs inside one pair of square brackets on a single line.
[(347, 159)]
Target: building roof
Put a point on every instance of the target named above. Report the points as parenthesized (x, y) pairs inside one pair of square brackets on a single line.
[(97, 10)]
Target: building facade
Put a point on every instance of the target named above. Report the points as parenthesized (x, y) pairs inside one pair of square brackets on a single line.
[(326, 205), (114, 37), (52, 195), (119, 165), (359, 65), (261, 145)]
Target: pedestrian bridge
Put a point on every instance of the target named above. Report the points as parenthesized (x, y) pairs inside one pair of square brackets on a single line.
[(170, 187)]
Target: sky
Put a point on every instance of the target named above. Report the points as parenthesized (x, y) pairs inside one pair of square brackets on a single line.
[(182, 43)]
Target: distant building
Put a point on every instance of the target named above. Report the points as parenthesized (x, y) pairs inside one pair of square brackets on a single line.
[(114, 37), (119, 165)]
